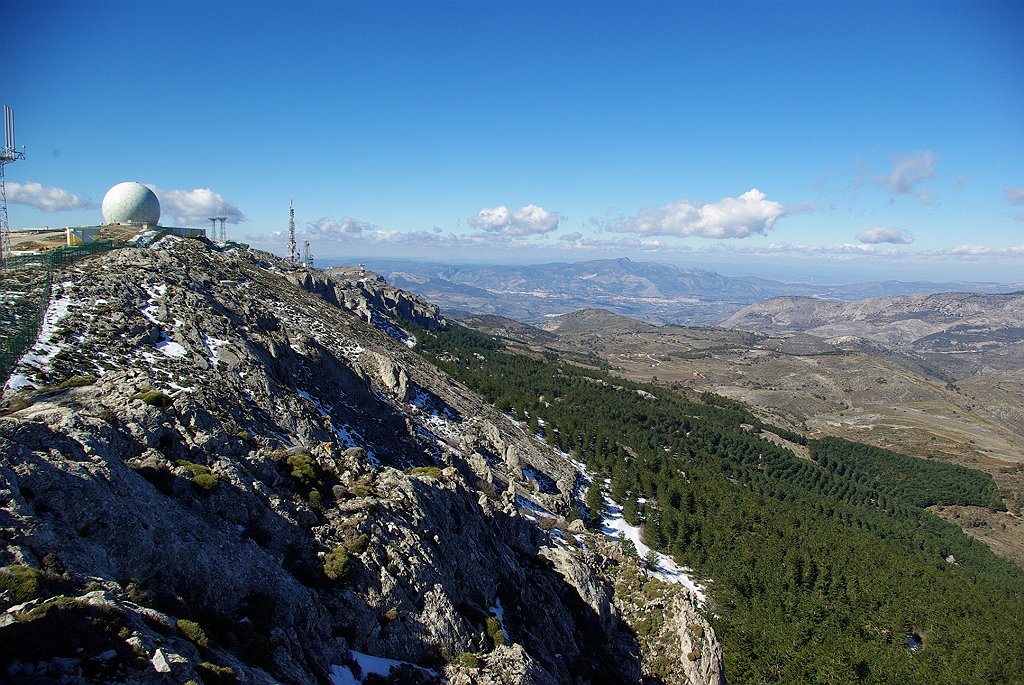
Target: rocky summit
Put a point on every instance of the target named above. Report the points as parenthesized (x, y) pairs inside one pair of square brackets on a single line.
[(219, 467)]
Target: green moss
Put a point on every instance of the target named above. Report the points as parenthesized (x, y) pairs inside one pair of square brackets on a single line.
[(194, 633), (25, 582), (337, 564)]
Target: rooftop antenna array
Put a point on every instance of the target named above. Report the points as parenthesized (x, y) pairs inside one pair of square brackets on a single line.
[(307, 255), (9, 153), (293, 251), (221, 237)]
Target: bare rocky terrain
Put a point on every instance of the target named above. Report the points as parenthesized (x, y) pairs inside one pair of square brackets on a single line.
[(218, 467)]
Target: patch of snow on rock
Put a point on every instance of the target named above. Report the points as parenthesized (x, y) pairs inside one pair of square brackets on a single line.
[(665, 567)]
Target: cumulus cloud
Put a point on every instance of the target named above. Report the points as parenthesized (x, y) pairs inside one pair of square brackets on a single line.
[(330, 229), (528, 220), (908, 173), (730, 217), (195, 206), (885, 234), (46, 199)]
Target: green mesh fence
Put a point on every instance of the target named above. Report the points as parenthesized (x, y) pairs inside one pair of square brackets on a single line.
[(25, 285)]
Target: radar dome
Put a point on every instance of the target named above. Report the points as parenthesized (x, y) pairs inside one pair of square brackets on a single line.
[(131, 203)]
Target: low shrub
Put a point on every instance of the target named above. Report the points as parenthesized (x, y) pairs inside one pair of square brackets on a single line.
[(204, 480), (468, 660), (24, 582), (425, 471), (337, 564), (213, 674), (155, 398), (194, 633), (494, 631)]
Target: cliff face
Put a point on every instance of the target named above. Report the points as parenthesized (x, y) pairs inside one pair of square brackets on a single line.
[(215, 466)]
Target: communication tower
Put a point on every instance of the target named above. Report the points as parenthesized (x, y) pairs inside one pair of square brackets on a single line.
[(221, 237), (293, 251), (307, 255), (362, 270), (9, 153)]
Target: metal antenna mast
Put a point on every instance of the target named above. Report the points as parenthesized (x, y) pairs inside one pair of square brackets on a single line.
[(307, 255), (293, 252), (8, 153), (221, 237)]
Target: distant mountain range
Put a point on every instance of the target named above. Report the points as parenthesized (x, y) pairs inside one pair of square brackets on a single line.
[(650, 291)]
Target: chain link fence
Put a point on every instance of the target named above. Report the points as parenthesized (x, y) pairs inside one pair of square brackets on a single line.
[(26, 282)]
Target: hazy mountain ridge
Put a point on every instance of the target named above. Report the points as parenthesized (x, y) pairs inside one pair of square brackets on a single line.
[(654, 292), (919, 321)]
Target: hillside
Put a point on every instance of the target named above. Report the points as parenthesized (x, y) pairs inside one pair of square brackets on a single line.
[(963, 406), (955, 321), (220, 468)]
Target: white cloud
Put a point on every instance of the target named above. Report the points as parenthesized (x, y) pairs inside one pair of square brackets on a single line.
[(910, 172), (985, 251), (885, 234), (46, 199), (338, 230), (195, 206), (1015, 196), (528, 220), (730, 217)]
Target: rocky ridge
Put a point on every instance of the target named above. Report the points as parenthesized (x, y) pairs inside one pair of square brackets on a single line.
[(219, 467)]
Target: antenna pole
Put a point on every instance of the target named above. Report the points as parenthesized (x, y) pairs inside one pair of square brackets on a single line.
[(293, 252), (8, 153)]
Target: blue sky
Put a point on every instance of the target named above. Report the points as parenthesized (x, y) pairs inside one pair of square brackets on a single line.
[(864, 140)]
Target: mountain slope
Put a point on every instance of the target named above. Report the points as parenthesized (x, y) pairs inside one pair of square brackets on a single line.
[(940, 321), (219, 467)]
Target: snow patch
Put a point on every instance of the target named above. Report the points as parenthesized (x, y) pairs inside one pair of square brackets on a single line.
[(664, 567), (368, 664)]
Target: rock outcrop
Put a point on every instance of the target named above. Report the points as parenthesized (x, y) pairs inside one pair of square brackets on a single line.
[(218, 467)]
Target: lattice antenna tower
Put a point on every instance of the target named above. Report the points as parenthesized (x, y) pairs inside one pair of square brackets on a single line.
[(293, 251), (307, 255), (8, 153)]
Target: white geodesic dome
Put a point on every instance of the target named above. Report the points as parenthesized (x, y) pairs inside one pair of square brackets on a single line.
[(131, 203)]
